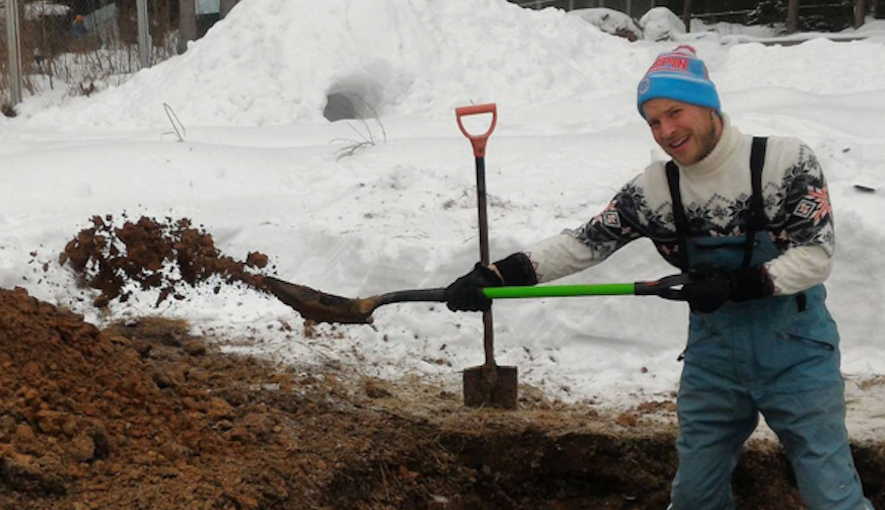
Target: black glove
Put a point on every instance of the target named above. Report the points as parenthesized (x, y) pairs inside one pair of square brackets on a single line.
[(465, 293), (711, 287)]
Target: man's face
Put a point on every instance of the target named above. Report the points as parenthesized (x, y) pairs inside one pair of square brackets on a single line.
[(686, 132)]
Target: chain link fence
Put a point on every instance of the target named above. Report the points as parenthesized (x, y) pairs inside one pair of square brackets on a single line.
[(822, 15), (634, 8), (79, 47), (815, 15)]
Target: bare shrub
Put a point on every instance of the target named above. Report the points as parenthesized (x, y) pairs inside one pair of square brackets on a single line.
[(367, 137)]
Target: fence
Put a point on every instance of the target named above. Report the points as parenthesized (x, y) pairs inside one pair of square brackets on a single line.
[(49, 50), (634, 8), (823, 15)]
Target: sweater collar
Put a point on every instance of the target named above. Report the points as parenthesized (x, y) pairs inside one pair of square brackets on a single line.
[(724, 150)]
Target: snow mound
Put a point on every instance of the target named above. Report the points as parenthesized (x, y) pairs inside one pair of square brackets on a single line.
[(852, 67), (661, 24), (610, 21), (310, 61)]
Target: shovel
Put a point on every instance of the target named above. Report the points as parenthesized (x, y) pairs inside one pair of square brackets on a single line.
[(488, 384), (485, 385), (322, 307)]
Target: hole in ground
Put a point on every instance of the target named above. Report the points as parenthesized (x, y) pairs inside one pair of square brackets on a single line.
[(354, 97), (534, 469), (340, 107)]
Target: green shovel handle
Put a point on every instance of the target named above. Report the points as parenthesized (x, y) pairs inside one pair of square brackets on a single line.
[(603, 289), (669, 287)]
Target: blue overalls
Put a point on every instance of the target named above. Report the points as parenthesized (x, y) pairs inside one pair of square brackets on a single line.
[(778, 356)]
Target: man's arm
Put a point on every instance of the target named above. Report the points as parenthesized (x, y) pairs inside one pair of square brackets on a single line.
[(577, 249), (557, 256), (806, 224)]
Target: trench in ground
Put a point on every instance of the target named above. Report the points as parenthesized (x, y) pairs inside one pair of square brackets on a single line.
[(533, 469)]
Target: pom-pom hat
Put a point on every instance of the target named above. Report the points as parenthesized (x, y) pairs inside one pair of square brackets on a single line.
[(681, 76)]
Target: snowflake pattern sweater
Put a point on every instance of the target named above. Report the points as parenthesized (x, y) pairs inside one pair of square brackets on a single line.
[(716, 195)]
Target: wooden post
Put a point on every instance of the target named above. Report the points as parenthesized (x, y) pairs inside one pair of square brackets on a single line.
[(14, 49), (187, 19), (226, 6), (860, 13), (793, 17), (686, 15), (144, 36)]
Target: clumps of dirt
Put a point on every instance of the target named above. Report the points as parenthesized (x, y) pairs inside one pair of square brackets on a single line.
[(170, 255)]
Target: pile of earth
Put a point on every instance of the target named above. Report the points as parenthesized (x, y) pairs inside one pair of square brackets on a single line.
[(140, 415)]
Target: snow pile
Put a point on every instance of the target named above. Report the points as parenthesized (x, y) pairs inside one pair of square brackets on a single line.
[(660, 24), (610, 21), (280, 61)]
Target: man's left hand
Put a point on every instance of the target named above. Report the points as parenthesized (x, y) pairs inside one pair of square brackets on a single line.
[(710, 287)]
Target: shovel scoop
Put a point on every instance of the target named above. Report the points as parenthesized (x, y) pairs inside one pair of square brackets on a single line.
[(322, 307)]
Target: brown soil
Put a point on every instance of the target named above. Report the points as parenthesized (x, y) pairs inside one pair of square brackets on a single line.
[(141, 415)]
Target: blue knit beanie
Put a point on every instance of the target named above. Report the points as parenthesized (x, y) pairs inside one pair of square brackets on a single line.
[(679, 75)]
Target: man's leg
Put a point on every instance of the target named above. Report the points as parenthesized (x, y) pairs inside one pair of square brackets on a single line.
[(716, 417), (811, 426)]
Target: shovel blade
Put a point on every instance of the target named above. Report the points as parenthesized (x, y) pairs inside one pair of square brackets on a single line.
[(496, 388), (319, 306)]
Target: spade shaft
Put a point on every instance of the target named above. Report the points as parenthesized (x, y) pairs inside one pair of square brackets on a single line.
[(479, 143)]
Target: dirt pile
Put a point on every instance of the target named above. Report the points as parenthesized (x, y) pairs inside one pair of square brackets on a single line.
[(169, 255), (141, 416)]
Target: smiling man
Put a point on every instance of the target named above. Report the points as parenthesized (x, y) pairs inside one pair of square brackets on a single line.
[(749, 220)]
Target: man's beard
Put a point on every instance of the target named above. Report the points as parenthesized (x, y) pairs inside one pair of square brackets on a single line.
[(707, 141)]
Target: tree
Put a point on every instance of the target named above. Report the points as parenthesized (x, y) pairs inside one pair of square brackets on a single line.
[(860, 13), (793, 16), (187, 19), (226, 6), (686, 14)]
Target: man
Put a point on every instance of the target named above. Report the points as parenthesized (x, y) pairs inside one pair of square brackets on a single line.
[(749, 221), (79, 28)]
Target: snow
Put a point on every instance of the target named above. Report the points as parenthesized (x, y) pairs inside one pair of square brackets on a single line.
[(608, 20), (262, 170), (36, 10), (660, 24)]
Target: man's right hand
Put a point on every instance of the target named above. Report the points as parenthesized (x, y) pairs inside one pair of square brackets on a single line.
[(465, 293)]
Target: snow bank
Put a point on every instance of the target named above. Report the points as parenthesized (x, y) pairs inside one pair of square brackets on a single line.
[(660, 24), (279, 61), (610, 21), (799, 67)]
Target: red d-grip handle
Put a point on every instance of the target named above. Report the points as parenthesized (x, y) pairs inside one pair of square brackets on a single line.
[(478, 141)]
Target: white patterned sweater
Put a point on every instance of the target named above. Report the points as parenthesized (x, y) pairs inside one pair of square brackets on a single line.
[(715, 194)]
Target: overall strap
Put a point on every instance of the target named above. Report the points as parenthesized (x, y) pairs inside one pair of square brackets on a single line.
[(679, 216), (757, 220)]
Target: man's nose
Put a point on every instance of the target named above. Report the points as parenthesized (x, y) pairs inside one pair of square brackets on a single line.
[(667, 128)]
